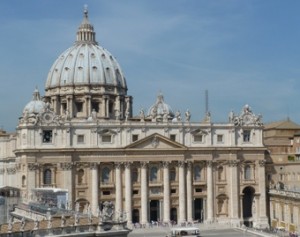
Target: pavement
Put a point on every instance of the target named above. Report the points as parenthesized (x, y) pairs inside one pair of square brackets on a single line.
[(204, 228)]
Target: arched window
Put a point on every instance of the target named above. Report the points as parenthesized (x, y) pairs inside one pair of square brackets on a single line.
[(105, 175), (247, 174), (197, 173), (80, 177), (134, 175), (172, 174), (23, 181), (220, 173), (47, 176), (153, 174)]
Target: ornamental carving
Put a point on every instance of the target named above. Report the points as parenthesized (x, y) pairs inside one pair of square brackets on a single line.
[(45, 117), (11, 170), (32, 166), (262, 163), (67, 166), (233, 163), (246, 118), (155, 142)]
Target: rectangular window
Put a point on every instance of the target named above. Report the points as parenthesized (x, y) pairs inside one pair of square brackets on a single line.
[(95, 106), (106, 192), (198, 190), (47, 136), (135, 192), (64, 106), (80, 138), (220, 138), (198, 138), (106, 138), (135, 137), (173, 137), (246, 136), (79, 106), (173, 190)]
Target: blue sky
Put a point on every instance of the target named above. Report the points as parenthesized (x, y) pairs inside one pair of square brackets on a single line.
[(242, 52)]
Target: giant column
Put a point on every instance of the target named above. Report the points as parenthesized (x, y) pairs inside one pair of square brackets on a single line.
[(263, 219), (210, 197), (118, 205), (128, 192), (189, 192), (68, 182), (166, 203), (234, 193), (182, 209), (95, 188), (144, 194), (31, 179)]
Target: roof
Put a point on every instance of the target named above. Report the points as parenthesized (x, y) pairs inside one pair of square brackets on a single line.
[(285, 124)]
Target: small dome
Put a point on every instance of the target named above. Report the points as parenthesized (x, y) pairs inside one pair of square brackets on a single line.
[(86, 63), (160, 108), (35, 106)]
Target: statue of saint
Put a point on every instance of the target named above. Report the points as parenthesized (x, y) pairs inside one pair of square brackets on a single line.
[(187, 116)]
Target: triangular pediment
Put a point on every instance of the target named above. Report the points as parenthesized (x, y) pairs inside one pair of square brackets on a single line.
[(156, 142)]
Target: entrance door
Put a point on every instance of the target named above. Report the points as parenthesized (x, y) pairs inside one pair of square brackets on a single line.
[(135, 216), (154, 210), (198, 209), (248, 204), (173, 215)]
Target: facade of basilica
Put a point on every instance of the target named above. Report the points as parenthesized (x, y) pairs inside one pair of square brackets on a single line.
[(82, 137)]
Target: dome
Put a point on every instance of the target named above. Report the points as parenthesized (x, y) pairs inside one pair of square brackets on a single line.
[(160, 108), (36, 105), (85, 63), (87, 79)]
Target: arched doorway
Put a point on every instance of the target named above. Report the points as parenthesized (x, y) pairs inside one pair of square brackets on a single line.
[(248, 199)]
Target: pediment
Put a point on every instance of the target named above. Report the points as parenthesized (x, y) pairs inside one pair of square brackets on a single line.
[(157, 142)]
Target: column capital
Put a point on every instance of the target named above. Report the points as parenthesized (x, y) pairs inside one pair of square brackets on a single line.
[(181, 163), (165, 164), (127, 164), (118, 165), (94, 166), (190, 164), (233, 163), (144, 164), (209, 163)]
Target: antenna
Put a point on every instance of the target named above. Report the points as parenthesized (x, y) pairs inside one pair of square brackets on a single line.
[(206, 102)]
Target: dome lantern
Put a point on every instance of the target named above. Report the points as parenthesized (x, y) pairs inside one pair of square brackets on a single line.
[(86, 33)]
